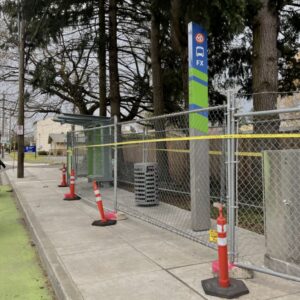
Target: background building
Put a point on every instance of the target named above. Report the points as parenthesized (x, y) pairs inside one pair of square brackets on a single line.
[(51, 136)]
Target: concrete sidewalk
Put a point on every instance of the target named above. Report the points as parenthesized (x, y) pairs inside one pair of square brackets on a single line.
[(131, 260)]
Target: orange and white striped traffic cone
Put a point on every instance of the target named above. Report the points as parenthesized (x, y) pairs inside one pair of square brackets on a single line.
[(104, 220), (72, 195), (222, 286), (63, 177)]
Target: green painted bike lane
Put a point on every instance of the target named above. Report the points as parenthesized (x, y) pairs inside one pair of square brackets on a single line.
[(21, 276)]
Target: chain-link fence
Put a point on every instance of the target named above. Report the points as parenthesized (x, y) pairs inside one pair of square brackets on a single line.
[(164, 143), (267, 203), (168, 170)]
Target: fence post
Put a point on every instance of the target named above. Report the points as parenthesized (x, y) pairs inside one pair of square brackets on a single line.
[(73, 152), (231, 177), (223, 169), (236, 183), (115, 163), (228, 181)]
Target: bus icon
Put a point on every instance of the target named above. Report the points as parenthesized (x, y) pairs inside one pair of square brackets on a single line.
[(200, 51)]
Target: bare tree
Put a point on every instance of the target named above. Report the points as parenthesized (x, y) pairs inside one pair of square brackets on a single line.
[(102, 58), (113, 61)]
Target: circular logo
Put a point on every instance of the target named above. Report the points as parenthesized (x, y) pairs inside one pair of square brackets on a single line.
[(200, 38)]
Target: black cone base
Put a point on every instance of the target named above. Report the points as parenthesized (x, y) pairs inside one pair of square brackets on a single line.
[(72, 198), (236, 288), (104, 223), (63, 185)]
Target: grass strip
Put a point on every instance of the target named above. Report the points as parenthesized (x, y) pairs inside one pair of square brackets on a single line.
[(21, 274)]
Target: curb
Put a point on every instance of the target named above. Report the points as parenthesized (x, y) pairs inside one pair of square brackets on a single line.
[(63, 286)]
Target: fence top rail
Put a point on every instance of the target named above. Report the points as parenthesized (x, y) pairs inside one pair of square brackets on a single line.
[(268, 112), (181, 113), (291, 93)]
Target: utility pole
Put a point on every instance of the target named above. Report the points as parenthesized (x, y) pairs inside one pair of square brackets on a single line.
[(20, 129), (9, 134), (3, 123)]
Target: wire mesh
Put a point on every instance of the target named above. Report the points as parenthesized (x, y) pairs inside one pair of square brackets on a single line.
[(172, 157), (267, 190), (164, 142), (203, 165)]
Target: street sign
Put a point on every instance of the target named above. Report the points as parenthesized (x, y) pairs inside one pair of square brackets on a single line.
[(198, 79), (30, 149), (198, 121)]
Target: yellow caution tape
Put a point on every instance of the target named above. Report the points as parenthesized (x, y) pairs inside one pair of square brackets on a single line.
[(170, 150), (255, 154), (215, 152), (202, 137), (250, 154)]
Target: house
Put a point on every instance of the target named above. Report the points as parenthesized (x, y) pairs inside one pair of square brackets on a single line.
[(44, 128), (58, 143)]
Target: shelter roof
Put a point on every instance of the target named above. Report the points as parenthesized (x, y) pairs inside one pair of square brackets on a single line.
[(86, 121)]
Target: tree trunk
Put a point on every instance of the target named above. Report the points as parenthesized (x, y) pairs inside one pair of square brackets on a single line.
[(180, 42), (264, 85), (185, 76), (102, 59), (264, 63), (158, 99), (113, 60)]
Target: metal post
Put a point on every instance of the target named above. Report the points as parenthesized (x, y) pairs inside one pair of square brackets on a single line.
[(69, 158), (115, 163), (230, 178), (228, 144), (73, 161), (223, 169), (236, 216), (73, 153)]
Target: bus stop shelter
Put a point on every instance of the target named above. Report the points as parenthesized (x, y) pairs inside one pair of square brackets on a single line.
[(83, 155)]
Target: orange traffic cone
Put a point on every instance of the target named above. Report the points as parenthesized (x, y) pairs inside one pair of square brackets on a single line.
[(222, 286), (72, 195), (104, 220), (63, 177)]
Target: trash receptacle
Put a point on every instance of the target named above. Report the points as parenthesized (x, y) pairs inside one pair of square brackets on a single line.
[(145, 184)]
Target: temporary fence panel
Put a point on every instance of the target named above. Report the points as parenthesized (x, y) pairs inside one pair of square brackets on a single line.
[(251, 159), (80, 156), (165, 141), (267, 205)]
